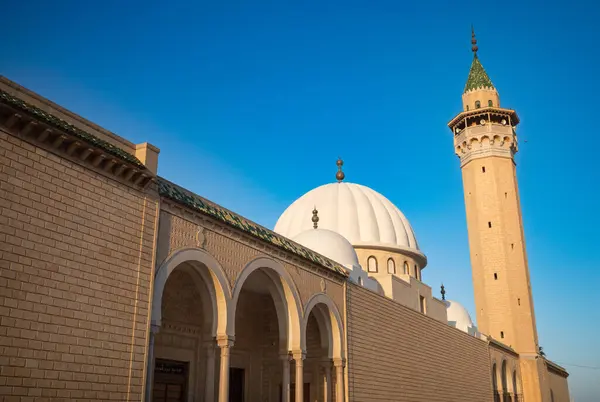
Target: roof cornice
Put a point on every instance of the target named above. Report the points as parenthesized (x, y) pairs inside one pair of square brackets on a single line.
[(33, 124)]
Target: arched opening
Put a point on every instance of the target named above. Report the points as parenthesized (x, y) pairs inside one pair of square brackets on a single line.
[(504, 380), (265, 319), (372, 264), (551, 396), (391, 266), (406, 268), (477, 104), (323, 368), (189, 310), (515, 385), (490, 103), (495, 383)]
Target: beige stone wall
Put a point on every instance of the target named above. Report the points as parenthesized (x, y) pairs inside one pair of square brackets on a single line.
[(500, 272), (76, 256), (397, 354), (559, 387)]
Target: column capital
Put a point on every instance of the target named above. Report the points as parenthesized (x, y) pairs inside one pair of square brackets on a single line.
[(285, 356), (225, 341), (339, 362), (298, 355)]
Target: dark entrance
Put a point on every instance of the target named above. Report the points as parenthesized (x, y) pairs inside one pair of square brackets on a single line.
[(293, 392), (170, 381), (236, 384)]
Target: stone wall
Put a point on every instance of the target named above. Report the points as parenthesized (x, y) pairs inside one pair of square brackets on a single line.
[(76, 256), (559, 387), (398, 354)]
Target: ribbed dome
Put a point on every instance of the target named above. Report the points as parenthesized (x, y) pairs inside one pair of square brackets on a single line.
[(360, 214), (329, 244), (458, 315)]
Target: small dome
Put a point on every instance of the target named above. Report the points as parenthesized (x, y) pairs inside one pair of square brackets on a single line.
[(360, 214), (458, 316), (329, 244)]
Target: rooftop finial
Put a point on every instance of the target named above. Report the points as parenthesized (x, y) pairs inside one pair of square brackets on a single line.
[(340, 175), (315, 217), (474, 47), (443, 292)]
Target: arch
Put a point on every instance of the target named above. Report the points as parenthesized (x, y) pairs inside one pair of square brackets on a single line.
[(372, 264), (490, 103), (214, 277), (406, 268), (285, 297), (503, 377), (515, 383), (477, 104), (495, 377), (391, 266), (330, 324)]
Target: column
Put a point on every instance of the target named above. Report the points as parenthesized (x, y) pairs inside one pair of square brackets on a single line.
[(326, 364), (225, 344), (150, 363), (209, 386), (285, 382), (339, 379), (299, 360)]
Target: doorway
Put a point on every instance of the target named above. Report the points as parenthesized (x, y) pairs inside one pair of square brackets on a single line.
[(236, 384), (293, 392), (170, 381)]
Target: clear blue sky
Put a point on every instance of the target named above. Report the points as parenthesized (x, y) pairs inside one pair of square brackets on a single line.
[(252, 102)]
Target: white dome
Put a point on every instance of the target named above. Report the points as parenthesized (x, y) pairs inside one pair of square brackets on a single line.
[(329, 244), (458, 316), (360, 214)]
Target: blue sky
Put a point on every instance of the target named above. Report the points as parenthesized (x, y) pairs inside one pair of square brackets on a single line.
[(252, 102)]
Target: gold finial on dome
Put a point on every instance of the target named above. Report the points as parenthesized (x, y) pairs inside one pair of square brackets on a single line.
[(474, 47), (315, 218), (443, 292), (340, 175)]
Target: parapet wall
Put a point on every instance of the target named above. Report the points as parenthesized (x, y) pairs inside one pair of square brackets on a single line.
[(398, 354)]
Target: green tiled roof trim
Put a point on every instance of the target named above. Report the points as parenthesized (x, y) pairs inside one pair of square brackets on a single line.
[(169, 190), (478, 78), (60, 124)]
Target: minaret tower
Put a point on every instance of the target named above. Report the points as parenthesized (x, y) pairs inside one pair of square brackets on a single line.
[(486, 142)]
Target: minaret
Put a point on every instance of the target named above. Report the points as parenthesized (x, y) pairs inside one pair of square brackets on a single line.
[(486, 142)]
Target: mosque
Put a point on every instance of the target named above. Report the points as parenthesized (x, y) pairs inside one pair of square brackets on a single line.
[(119, 285)]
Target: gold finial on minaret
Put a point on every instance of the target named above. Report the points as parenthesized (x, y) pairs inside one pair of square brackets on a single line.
[(340, 175), (474, 47), (443, 292), (315, 218)]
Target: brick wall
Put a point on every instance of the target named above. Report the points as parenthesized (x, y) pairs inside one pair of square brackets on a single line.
[(397, 354), (76, 251)]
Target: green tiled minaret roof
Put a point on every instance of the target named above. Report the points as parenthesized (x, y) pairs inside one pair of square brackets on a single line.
[(478, 78)]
